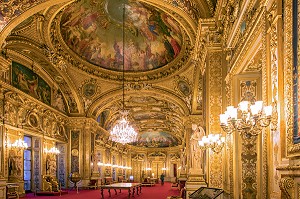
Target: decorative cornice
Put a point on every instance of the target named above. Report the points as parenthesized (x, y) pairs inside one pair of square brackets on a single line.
[(243, 47)]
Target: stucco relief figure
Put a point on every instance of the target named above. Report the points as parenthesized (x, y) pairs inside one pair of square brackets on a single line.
[(183, 160), (196, 153), (15, 166), (50, 166), (53, 167)]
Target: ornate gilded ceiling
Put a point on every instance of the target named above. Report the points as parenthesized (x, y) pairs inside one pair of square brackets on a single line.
[(76, 48)]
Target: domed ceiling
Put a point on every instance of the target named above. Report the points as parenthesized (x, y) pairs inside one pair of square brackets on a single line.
[(96, 32)]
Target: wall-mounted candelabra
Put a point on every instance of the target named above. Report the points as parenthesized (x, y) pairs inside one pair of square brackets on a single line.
[(213, 141), (53, 151), (248, 119), (18, 144)]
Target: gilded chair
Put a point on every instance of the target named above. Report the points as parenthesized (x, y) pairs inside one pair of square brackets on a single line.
[(49, 183)]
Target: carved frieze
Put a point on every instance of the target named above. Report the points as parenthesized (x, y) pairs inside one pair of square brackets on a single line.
[(24, 113)]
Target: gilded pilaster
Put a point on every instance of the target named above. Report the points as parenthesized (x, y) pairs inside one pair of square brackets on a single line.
[(214, 90), (230, 138), (86, 138), (2, 144), (275, 71)]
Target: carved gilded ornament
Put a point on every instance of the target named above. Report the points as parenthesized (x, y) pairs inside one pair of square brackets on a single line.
[(10, 10), (183, 86), (245, 45), (200, 51), (22, 112), (248, 90), (33, 120), (215, 78), (292, 149), (255, 64), (236, 59), (287, 187)]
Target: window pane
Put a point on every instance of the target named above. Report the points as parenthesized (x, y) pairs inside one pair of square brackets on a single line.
[(27, 175), (28, 141), (27, 155)]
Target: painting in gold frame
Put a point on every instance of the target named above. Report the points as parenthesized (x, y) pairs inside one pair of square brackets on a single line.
[(296, 75), (291, 76)]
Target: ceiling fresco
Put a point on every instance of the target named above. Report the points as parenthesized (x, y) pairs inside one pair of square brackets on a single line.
[(156, 139), (95, 31)]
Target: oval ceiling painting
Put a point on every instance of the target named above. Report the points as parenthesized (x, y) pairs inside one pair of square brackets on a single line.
[(156, 139), (95, 31)]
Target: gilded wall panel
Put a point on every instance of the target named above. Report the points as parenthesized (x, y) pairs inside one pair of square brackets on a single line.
[(276, 96), (248, 92), (75, 150), (292, 149)]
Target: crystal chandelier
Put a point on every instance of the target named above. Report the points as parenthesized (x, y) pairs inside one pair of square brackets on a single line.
[(122, 132), (248, 119)]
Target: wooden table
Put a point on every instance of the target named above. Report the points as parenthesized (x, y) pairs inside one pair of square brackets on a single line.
[(123, 185)]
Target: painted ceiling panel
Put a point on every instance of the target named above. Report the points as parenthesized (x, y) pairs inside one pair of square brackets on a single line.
[(94, 31)]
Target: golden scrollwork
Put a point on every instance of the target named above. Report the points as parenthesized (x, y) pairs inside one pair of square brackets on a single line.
[(292, 149), (215, 101), (286, 185)]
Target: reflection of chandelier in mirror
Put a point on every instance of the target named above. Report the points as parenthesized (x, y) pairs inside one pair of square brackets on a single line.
[(53, 151), (18, 144), (122, 132), (213, 141), (248, 119)]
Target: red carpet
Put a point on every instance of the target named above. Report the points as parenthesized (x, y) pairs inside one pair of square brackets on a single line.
[(156, 192)]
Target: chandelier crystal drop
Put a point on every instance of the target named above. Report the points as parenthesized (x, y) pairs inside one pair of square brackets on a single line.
[(122, 132)]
